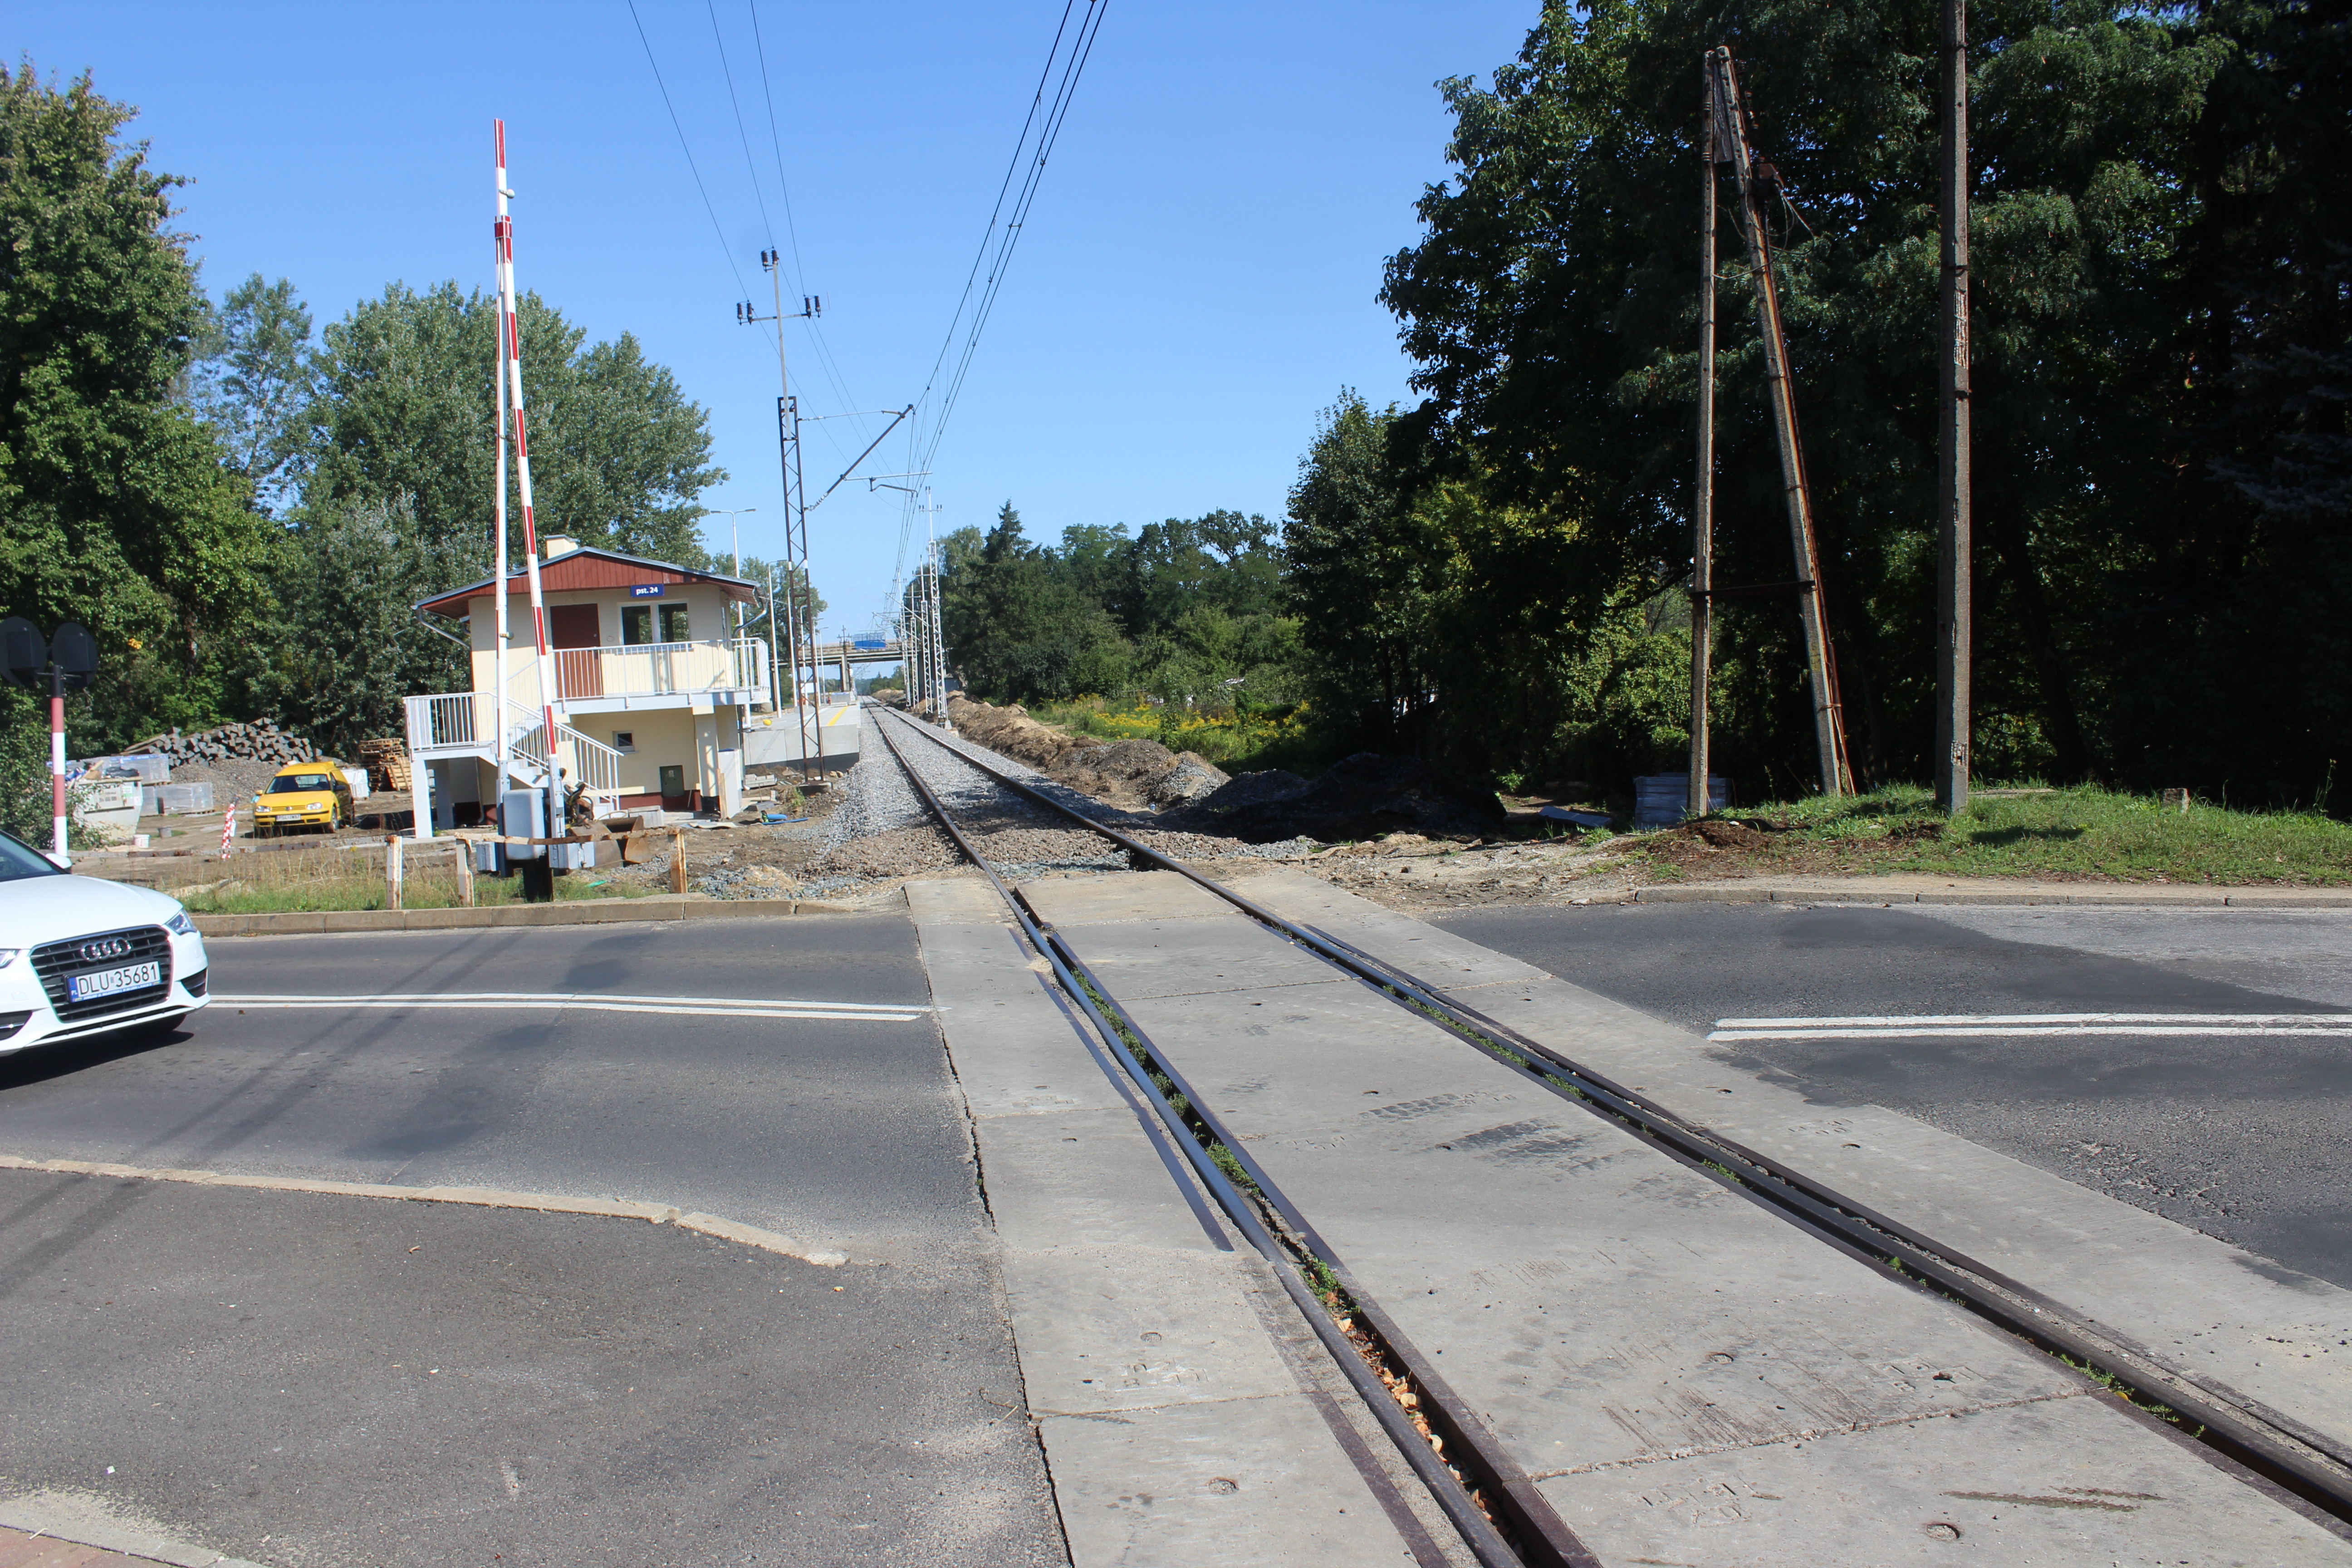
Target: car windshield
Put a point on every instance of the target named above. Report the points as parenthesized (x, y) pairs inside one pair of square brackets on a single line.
[(20, 860), (295, 783)]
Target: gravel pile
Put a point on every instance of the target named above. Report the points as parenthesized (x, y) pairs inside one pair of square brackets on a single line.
[(1192, 777), (1363, 796), (234, 782)]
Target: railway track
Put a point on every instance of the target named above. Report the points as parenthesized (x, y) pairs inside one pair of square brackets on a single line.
[(1498, 1508)]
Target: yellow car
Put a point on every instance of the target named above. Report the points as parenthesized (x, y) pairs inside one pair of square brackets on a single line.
[(303, 795)]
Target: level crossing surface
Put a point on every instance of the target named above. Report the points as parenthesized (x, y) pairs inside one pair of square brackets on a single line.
[(2172, 1104), (1682, 1371)]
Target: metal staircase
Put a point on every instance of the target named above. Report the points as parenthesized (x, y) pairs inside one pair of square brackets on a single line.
[(458, 725)]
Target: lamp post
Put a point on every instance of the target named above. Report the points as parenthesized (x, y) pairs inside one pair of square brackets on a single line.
[(735, 539)]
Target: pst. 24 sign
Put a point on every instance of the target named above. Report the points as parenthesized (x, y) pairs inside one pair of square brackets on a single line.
[(645, 591)]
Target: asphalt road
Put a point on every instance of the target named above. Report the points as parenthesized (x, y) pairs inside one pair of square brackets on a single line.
[(2247, 1138), (607, 1391), (835, 1133)]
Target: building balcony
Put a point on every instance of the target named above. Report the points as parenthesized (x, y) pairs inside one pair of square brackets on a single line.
[(730, 672)]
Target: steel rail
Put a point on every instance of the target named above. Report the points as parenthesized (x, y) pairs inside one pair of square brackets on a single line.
[(2284, 1451), (1477, 1532)]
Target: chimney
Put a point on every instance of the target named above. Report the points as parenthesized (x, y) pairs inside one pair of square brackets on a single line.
[(560, 544)]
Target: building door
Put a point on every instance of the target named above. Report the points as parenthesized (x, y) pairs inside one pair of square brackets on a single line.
[(571, 632), (673, 789)]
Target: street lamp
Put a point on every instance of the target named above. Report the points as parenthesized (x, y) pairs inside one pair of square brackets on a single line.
[(735, 538)]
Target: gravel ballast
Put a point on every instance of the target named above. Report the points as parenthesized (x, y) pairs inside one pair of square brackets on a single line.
[(882, 832)]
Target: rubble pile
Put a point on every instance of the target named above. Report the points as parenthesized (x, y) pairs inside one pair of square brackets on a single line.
[(1137, 774), (260, 740), (1363, 796)]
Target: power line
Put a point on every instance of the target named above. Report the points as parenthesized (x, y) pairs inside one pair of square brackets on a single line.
[(775, 138), (724, 249), (784, 189), (1003, 234), (1012, 236), (767, 225)]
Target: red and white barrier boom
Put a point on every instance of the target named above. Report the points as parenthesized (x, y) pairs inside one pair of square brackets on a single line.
[(510, 351)]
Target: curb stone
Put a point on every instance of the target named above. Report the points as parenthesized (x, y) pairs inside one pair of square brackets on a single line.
[(2140, 897), (314, 923), (478, 1197), (67, 1526)]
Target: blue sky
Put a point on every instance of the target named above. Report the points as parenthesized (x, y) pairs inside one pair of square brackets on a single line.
[(1196, 280)]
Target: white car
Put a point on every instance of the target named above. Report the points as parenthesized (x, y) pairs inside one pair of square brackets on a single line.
[(79, 956)]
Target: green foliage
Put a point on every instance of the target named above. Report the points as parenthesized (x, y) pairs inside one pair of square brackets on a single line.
[(1364, 571), (1493, 635), (351, 647), (1188, 610), (618, 453), (2083, 831), (2134, 278), (115, 509), (256, 383)]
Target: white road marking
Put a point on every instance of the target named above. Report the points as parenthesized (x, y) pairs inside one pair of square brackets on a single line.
[(1924, 1025), (687, 1006)]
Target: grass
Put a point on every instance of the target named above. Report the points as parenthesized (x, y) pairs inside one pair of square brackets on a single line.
[(353, 879), (1235, 741), (2084, 833)]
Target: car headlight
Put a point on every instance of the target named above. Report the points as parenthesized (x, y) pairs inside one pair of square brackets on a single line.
[(9, 955), (178, 925)]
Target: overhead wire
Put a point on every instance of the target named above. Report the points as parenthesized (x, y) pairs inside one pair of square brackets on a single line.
[(716, 229), (1019, 220), (998, 241), (798, 276)]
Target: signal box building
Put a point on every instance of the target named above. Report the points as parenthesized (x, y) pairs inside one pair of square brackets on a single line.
[(652, 690)]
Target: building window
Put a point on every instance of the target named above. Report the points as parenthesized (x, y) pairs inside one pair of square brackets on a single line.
[(637, 625), (673, 624), (624, 740)]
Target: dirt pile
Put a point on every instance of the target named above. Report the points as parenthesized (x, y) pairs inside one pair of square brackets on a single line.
[(1364, 797), (1133, 773)]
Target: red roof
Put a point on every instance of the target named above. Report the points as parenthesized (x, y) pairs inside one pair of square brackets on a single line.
[(586, 570)]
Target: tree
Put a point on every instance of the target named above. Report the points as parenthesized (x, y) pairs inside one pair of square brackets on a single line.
[(1550, 306), (256, 383), (1359, 569), (618, 453), (115, 509), (353, 647)]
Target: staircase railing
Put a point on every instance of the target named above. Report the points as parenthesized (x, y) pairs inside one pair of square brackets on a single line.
[(454, 723)]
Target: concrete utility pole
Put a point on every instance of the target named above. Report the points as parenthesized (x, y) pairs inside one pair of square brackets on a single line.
[(1703, 491), (1955, 612), (800, 609), (1821, 657)]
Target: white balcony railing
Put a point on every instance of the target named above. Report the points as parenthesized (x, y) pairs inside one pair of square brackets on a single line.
[(458, 723), (660, 670)]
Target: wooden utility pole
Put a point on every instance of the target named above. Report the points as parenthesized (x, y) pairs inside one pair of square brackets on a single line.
[(1703, 491), (1821, 659), (1955, 613)]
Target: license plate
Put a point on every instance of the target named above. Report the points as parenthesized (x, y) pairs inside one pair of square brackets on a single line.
[(107, 982)]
